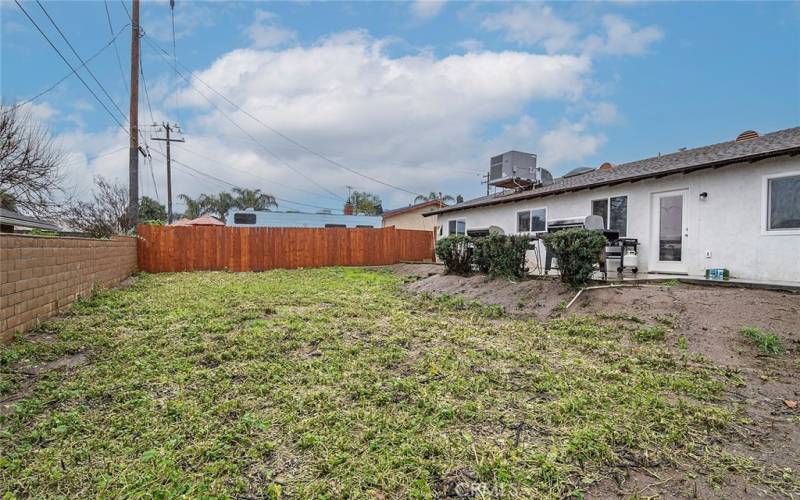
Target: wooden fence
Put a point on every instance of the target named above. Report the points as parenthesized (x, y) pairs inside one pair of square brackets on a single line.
[(206, 248)]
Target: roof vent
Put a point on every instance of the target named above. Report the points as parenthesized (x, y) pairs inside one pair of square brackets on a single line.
[(606, 166), (747, 134)]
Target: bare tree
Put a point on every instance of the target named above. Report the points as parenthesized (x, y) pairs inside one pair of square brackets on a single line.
[(105, 215), (30, 164)]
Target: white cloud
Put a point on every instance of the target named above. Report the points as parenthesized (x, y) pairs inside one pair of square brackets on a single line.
[(602, 113), (622, 38), (39, 112), (533, 25), (425, 10), (558, 149), (537, 24), (568, 143), (189, 17), (470, 45), (265, 32), (417, 121)]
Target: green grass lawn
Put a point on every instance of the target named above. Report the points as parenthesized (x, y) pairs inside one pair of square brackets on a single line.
[(336, 383)]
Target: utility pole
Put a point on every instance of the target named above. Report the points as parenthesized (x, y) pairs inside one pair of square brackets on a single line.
[(133, 128), (486, 181), (168, 140)]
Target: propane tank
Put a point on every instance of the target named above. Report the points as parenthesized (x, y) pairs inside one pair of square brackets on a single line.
[(630, 259)]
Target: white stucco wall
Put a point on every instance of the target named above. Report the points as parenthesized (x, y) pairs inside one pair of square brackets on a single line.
[(729, 223)]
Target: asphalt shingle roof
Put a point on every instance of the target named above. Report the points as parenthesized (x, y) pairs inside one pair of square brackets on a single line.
[(768, 145)]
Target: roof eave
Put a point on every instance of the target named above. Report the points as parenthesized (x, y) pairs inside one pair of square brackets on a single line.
[(716, 164)]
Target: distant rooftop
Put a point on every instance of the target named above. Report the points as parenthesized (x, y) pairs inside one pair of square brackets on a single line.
[(411, 208), (11, 218)]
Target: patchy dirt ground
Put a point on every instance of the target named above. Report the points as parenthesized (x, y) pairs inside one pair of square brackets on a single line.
[(705, 322), (702, 324), (536, 298), (416, 270)]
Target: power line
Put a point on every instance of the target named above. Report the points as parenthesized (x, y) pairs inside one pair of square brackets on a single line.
[(241, 129), (74, 70), (175, 60), (230, 184), (116, 49), (205, 176), (153, 120), (153, 175), (222, 181), (291, 140), (126, 9), (93, 158), (226, 165), (63, 78), (102, 87)]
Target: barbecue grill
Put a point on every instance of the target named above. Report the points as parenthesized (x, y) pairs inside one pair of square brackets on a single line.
[(619, 253), (593, 222)]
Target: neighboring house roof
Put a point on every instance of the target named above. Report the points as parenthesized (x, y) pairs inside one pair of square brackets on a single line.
[(205, 220), (769, 145), (411, 208), (183, 221), (11, 218)]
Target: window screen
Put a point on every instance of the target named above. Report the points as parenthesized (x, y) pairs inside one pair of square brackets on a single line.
[(618, 215), (600, 207), (523, 221), (244, 218), (539, 219), (784, 203)]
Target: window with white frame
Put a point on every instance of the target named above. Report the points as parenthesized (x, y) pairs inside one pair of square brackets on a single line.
[(614, 211), (457, 226), (783, 202), (534, 221)]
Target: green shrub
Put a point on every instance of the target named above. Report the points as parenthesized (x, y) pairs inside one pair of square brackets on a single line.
[(768, 343), (577, 251), (500, 255), (482, 253), (456, 253), (42, 232)]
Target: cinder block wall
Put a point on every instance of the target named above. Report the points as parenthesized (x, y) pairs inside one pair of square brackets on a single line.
[(40, 276)]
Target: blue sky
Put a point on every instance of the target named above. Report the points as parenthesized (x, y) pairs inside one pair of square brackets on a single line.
[(418, 94)]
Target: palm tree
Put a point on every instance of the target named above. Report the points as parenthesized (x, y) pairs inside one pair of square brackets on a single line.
[(218, 205), (253, 198), (193, 207), (444, 198)]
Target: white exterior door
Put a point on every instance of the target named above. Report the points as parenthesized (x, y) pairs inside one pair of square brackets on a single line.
[(669, 231)]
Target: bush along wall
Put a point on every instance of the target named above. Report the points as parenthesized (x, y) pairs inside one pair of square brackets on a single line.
[(456, 254), (577, 251), (500, 255), (495, 255)]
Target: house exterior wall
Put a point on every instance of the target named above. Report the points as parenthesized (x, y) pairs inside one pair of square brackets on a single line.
[(412, 220), (729, 223)]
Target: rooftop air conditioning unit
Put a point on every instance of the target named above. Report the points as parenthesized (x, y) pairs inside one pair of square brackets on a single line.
[(516, 169)]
